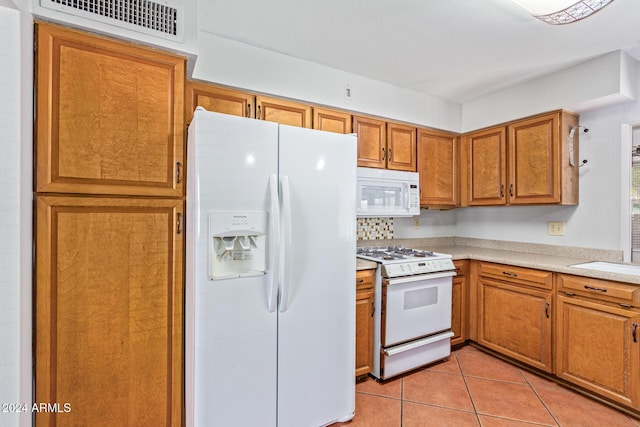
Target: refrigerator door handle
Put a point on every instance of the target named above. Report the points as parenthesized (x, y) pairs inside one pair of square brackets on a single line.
[(285, 245), (274, 243)]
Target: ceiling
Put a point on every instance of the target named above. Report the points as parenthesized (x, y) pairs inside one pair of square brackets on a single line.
[(456, 50)]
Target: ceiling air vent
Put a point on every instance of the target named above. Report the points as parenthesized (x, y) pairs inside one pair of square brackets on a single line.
[(160, 19)]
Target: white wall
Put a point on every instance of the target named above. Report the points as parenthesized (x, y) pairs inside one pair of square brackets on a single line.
[(15, 210), (431, 223), (251, 68), (605, 80)]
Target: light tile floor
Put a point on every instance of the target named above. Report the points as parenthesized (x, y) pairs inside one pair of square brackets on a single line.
[(473, 388)]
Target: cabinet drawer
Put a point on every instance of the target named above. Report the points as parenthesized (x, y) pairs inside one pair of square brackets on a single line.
[(461, 267), (518, 275), (600, 289), (364, 280)]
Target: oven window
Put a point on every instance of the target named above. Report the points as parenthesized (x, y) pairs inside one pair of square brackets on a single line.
[(420, 298)]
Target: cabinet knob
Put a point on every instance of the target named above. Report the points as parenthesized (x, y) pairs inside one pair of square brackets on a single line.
[(510, 274), (383, 153), (634, 331)]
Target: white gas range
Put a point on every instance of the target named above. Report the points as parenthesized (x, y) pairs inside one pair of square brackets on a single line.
[(412, 316)]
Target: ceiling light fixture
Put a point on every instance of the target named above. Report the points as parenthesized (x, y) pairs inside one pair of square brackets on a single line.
[(559, 12)]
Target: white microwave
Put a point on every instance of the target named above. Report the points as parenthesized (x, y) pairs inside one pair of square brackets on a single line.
[(387, 193)]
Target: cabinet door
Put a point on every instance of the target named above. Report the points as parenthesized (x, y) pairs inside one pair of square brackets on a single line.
[(516, 322), (486, 173), (219, 100), (331, 121), (534, 160), (364, 321), (364, 332), (459, 304), (438, 168), (283, 112), (108, 311), (401, 147), (596, 348), (372, 142), (109, 116)]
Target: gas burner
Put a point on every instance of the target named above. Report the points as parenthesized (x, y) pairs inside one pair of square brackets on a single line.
[(393, 254)]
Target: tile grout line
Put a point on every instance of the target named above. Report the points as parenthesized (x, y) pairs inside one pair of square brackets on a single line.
[(464, 379), (533, 389), (401, 401)]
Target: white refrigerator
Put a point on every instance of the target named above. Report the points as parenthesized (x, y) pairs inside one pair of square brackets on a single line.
[(270, 279)]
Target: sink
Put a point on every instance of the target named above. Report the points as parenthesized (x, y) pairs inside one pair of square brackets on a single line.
[(610, 267)]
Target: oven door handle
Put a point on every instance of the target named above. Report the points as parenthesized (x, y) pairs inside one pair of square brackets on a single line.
[(419, 277), (415, 344)]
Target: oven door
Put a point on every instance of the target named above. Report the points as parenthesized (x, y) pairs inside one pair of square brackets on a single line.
[(415, 306)]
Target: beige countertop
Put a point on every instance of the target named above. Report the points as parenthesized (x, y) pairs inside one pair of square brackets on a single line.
[(554, 262)]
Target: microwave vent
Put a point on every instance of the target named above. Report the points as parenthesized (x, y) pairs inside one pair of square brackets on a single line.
[(150, 17)]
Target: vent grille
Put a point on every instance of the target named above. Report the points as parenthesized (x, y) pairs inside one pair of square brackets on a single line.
[(142, 15)]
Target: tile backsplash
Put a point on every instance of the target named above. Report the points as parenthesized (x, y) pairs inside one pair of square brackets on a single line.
[(375, 228)]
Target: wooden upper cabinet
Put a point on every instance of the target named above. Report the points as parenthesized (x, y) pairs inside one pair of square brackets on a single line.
[(401, 147), (528, 162), (372, 142), (110, 116), (282, 111), (485, 155), (217, 99), (331, 120), (539, 169), (108, 310), (438, 165)]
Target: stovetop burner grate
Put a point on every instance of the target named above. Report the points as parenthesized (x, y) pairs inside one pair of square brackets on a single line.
[(393, 253)]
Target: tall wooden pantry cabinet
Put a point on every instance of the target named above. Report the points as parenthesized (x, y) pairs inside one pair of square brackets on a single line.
[(109, 203)]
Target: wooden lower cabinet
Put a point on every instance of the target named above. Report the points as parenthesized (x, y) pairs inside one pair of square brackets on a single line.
[(108, 311), (364, 321), (598, 339), (460, 303), (515, 319)]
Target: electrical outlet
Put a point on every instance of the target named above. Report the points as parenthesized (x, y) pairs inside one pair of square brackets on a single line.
[(556, 228), (416, 223), (347, 92)]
